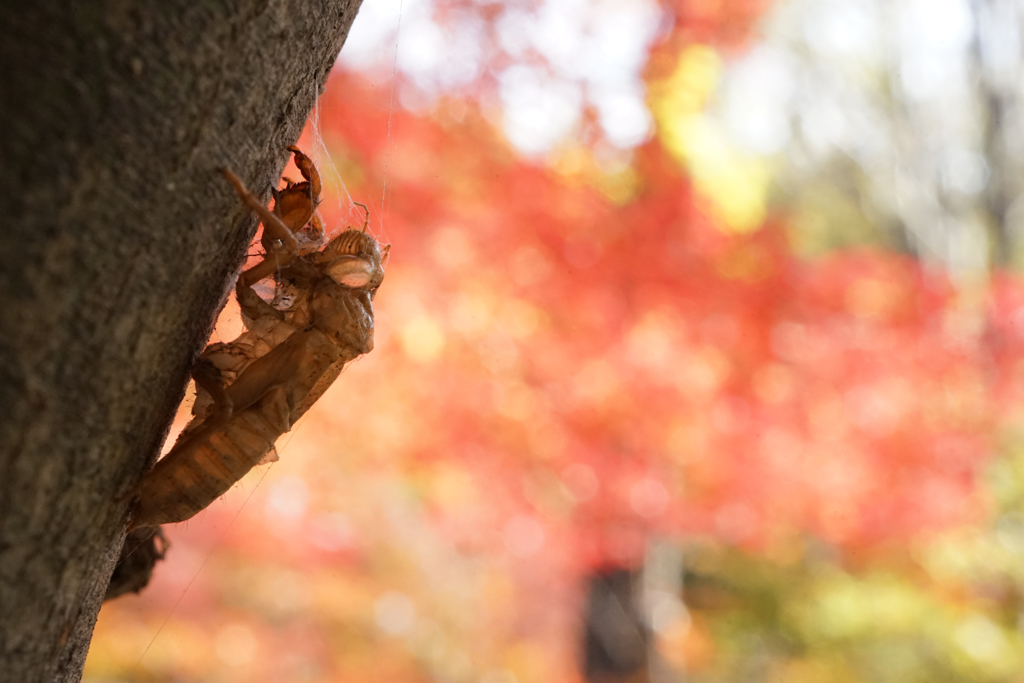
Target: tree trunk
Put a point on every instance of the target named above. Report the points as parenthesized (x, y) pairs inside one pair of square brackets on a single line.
[(119, 244), (615, 635)]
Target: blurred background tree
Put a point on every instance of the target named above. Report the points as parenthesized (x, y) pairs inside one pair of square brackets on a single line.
[(892, 123), (698, 357)]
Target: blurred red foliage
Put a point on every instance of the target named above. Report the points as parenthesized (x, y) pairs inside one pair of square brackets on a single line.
[(671, 378)]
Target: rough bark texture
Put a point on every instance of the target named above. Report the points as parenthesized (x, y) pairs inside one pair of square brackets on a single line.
[(119, 243)]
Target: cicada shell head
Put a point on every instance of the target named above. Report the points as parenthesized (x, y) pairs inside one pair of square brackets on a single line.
[(353, 259)]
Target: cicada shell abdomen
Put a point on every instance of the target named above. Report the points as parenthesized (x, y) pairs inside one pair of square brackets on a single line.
[(208, 463), (269, 396)]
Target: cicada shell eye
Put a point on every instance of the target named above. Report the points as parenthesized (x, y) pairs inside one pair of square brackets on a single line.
[(351, 271)]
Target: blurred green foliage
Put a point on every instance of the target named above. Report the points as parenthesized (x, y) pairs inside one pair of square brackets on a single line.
[(944, 608)]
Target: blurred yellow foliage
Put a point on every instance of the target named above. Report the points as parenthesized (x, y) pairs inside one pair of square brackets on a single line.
[(735, 182)]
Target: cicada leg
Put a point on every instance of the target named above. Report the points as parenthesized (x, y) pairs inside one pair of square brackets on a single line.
[(308, 170), (208, 378), (273, 225)]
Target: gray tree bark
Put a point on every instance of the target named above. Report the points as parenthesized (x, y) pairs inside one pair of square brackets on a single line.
[(119, 243)]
